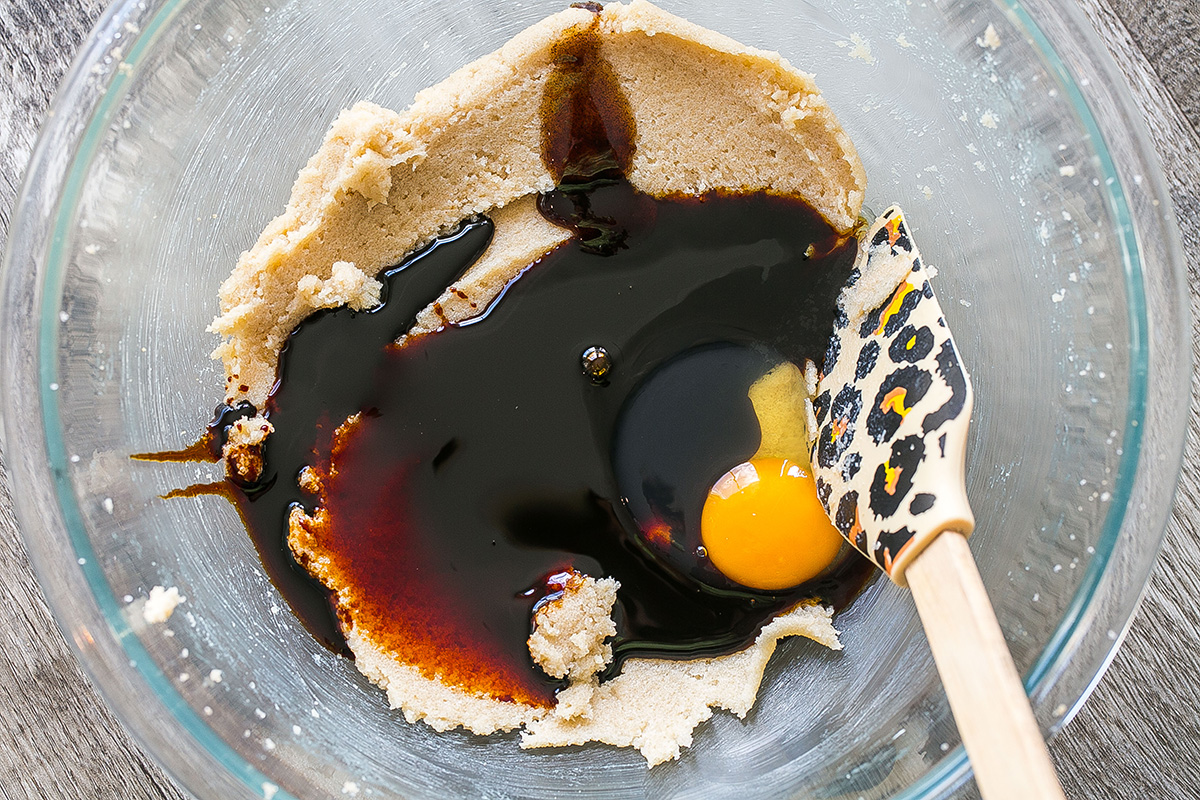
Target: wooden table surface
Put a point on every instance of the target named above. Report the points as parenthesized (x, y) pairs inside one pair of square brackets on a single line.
[(1138, 736)]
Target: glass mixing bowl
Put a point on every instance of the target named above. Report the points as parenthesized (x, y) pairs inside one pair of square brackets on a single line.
[(1031, 187)]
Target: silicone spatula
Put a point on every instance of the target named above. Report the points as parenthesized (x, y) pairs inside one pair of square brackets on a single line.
[(892, 412)]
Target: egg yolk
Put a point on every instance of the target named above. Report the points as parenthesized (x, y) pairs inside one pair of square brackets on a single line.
[(764, 527)]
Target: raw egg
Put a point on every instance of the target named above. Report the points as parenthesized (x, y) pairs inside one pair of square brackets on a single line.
[(764, 527)]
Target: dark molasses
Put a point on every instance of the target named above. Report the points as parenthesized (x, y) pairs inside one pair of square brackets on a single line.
[(486, 461)]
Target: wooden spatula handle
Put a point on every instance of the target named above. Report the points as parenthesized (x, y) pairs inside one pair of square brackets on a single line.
[(989, 703)]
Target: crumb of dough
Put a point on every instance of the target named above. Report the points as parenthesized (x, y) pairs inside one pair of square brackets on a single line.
[(710, 114), (243, 447), (811, 379), (654, 704), (347, 285), (569, 638), (874, 286), (309, 481), (990, 38), (861, 49), (161, 604)]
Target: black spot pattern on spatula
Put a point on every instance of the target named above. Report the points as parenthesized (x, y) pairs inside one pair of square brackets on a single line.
[(897, 395), (867, 359), (921, 503), (893, 333), (951, 372), (838, 431), (911, 344), (894, 479)]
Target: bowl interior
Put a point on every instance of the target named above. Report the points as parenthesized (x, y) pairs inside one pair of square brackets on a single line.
[(213, 107)]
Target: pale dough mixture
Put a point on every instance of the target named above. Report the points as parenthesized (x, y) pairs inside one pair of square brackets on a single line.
[(710, 114)]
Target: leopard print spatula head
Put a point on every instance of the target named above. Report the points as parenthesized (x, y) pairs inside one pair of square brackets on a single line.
[(892, 408), (891, 415)]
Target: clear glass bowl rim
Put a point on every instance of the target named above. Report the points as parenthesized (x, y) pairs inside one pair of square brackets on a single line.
[(51, 524)]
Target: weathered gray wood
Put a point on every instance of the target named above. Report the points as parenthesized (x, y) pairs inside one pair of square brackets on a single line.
[(1167, 32), (1139, 735)]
